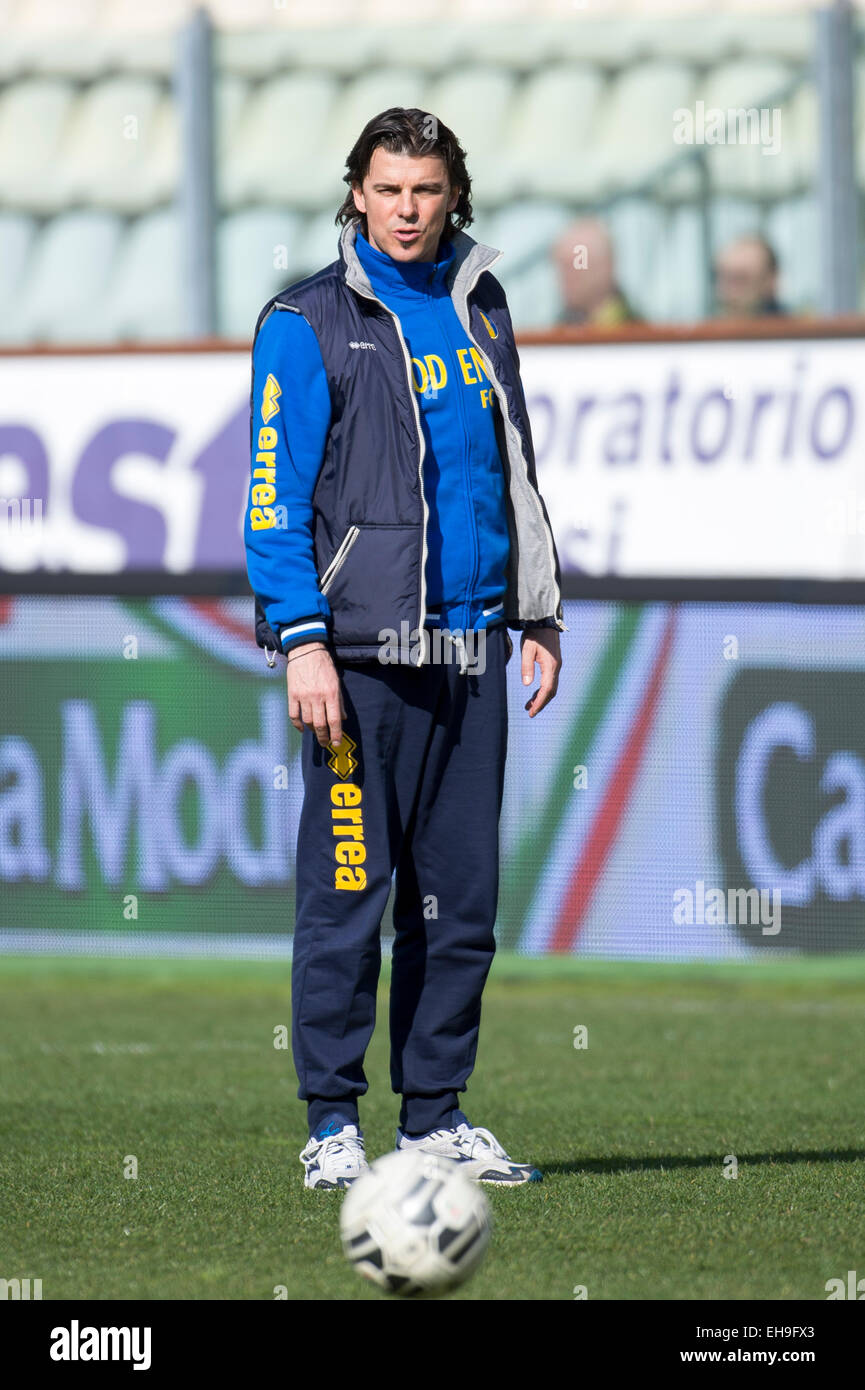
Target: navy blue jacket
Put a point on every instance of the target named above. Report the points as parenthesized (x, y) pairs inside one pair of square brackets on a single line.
[(351, 566)]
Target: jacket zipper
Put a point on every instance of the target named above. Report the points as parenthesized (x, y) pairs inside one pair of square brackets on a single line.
[(422, 451), (339, 558), (506, 421), (467, 479)]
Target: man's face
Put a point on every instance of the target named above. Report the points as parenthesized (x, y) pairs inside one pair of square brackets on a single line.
[(587, 284), (406, 201), (743, 279)]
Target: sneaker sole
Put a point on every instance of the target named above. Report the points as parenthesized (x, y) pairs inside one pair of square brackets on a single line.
[(325, 1186), (499, 1179), (534, 1176)]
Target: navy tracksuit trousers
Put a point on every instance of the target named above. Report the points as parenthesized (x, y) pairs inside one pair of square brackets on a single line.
[(419, 792)]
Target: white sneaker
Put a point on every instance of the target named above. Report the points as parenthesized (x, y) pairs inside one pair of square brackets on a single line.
[(480, 1153), (334, 1161)]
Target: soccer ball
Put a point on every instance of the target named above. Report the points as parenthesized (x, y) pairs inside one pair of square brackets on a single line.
[(414, 1223)]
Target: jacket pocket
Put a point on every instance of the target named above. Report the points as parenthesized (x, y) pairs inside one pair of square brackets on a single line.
[(339, 558), (377, 585)]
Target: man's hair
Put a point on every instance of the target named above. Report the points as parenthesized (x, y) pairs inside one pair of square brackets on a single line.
[(402, 130)]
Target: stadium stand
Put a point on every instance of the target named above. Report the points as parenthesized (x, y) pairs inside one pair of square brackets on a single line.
[(90, 160)]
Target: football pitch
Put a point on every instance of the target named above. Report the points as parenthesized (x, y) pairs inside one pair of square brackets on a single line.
[(151, 1131)]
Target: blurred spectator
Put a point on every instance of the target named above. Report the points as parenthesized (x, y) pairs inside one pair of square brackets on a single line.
[(746, 279), (585, 261)]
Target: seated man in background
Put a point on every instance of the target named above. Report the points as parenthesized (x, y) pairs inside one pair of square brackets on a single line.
[(590, 293), (746, 279)]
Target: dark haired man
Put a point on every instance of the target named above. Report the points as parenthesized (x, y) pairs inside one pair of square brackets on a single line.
[(746, 279), (394, 527)]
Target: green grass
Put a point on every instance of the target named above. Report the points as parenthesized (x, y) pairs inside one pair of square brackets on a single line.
[(174, 1062)]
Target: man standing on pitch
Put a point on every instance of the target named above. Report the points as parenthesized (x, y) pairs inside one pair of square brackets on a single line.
[(394, 533)]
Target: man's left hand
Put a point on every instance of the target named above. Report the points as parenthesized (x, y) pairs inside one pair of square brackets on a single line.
[(541, 645)]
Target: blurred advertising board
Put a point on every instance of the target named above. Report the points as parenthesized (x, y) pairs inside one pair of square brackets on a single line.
[(696, 789), (666, 459)]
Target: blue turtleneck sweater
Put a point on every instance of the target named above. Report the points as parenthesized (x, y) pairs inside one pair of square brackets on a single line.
[(464, 485)]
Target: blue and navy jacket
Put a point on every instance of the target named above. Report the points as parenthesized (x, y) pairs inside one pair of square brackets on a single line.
[(393, 477)]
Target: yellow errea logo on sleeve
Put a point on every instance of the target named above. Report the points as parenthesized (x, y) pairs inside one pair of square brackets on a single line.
[(269, 398), (491, 329), (262, 516)]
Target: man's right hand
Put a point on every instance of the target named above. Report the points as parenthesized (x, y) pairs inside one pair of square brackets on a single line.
[(314, 692)]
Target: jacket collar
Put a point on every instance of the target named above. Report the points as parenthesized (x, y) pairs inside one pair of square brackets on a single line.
[(403, 279), (470, 259)]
